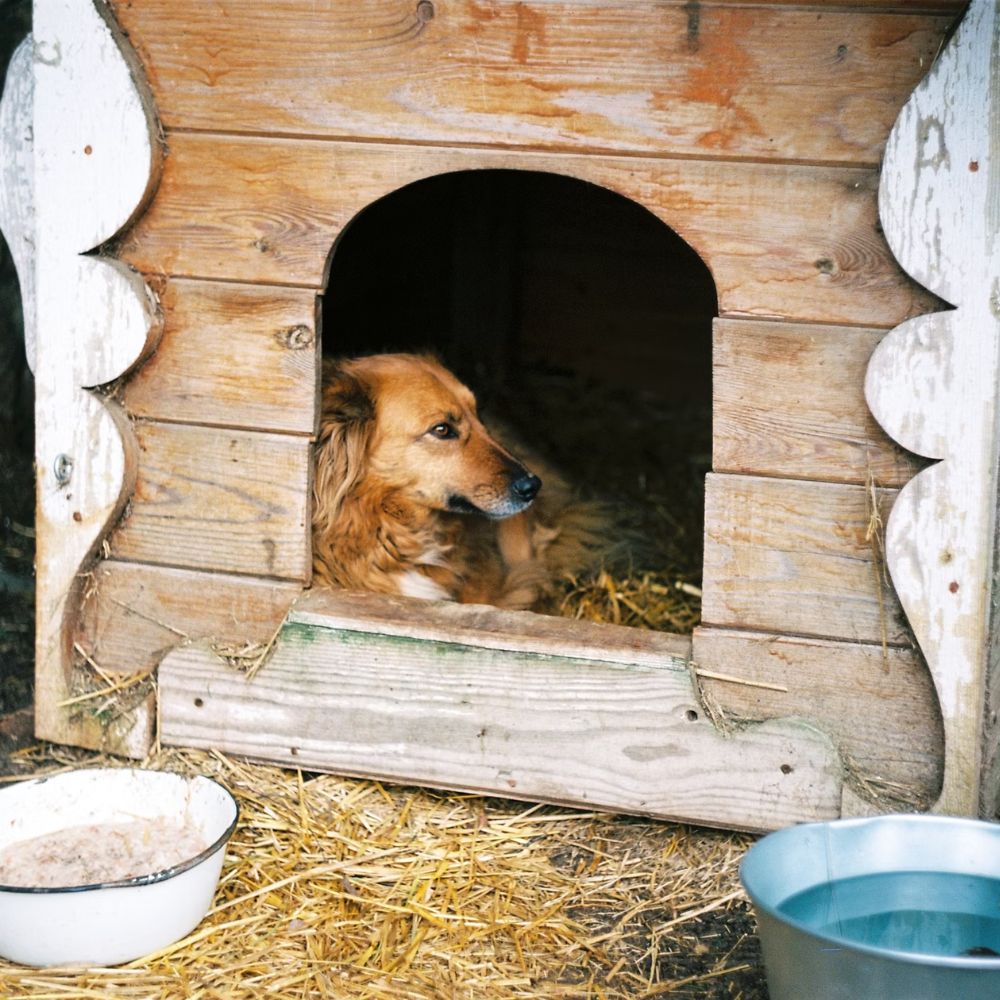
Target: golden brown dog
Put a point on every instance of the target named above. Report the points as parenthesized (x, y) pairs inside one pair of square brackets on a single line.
[(413, 496)]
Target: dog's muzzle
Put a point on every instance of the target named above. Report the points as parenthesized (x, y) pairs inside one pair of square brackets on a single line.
[(515, 498)]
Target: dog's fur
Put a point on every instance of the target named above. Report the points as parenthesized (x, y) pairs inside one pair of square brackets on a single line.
[(413, 496)]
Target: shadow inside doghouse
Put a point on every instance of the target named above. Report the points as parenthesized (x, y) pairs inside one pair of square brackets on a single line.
[(583, 322)]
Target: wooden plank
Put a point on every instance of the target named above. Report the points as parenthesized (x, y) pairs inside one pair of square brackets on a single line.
[(234, 355), (788, 401), (878, 705), (219, 499), (933, 383), (952, 7), (738, 81), (792, 557), (523, 725), (94, 165), (488, 627), (134, 614), (797, 243)]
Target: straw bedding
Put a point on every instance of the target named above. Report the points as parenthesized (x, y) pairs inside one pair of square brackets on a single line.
[(344, 888), (643, 454)]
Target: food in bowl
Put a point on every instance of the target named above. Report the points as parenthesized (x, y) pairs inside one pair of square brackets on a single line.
[(104, 865)]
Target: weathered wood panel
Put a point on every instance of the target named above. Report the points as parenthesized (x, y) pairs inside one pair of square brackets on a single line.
[(235, 355), (662, 78), (488, 627), (134, 614), (520, 724), (796, 243), (94, 164), (219, 499), (989, 802), (788, 401), (933, 383), (878, 704), (792, 557), (17, 181)]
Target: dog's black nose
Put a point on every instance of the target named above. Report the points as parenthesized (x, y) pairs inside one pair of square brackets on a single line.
[(526, 487)]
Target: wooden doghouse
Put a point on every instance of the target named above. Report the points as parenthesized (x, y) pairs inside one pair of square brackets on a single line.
[(212, 154)]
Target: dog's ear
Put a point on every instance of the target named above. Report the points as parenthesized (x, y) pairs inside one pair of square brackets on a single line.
[(346, 422), (346, 400)]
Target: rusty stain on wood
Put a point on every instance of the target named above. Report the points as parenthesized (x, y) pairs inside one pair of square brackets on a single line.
[(675, 78)]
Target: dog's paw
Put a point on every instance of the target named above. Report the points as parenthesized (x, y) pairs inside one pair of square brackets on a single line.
[(524, 585)]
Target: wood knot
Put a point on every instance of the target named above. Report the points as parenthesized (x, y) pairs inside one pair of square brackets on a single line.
[(295, 338), (425, 11)]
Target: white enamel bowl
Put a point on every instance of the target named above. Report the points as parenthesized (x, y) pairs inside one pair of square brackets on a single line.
[(111, 922)]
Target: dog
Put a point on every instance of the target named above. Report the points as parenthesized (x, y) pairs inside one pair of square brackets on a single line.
[(412, 494)]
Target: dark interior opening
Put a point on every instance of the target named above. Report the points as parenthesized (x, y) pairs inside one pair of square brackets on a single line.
[(578, 317)]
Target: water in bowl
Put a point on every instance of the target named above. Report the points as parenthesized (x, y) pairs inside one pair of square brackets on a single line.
[(931, 913)]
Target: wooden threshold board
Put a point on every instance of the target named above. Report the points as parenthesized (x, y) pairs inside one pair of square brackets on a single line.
[(511, 704)]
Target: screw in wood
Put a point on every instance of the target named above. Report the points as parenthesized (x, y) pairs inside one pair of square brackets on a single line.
[(62, 469)]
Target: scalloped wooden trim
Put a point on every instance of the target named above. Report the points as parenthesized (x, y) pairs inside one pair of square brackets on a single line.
[(17, 182), (95, 164), (933, 381)]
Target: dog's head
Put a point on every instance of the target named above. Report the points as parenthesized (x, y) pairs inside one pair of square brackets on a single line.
[(407, 420)]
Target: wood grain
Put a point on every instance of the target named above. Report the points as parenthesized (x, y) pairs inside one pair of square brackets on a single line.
[(94, 165), (791, 557), (488, 627), (933, 382), (796, 243), (548, 728), (877, 704), (134, 614), (788, 401), (233, 355), (219, 499), (658, 78)]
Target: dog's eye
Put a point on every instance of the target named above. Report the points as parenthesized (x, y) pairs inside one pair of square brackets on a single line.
[(443, 431)]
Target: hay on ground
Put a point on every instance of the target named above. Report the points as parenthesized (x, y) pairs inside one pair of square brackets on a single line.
[(342, 888)]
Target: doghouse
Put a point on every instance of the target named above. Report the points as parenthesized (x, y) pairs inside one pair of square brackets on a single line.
[(177, 175)]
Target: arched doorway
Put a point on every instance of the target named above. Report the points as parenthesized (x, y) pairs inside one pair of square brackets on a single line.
[(582, 321)]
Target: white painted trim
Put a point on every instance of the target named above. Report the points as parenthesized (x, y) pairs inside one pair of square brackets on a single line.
[(17, 181), (933, 381), (95, 159)]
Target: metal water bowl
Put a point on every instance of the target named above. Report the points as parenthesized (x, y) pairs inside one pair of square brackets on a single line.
[(890, 908)]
